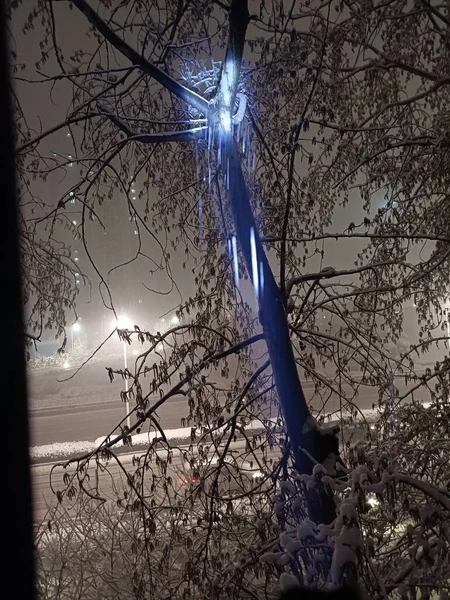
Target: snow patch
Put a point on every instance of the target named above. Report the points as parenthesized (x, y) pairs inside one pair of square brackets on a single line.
[(61, 449), (342, 556), (368, 414), (142, 439), (181, 433)]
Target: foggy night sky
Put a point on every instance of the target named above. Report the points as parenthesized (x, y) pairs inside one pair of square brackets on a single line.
[(118, 243)]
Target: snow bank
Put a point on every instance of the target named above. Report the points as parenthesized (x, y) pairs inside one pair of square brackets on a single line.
[(182, 433), (141, 439), (368, 414), (61, 449)]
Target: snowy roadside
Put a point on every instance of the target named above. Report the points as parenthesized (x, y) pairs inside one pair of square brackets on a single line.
[(179, 436)]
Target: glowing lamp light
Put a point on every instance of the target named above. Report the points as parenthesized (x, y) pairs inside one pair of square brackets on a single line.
[(135, 352), (261, 276), (76, 327), (235, 260), (122, 322), (372, 500), (66, 364), (228, 75), (254, 257), (225, 119), (160, 347), (175, 320)]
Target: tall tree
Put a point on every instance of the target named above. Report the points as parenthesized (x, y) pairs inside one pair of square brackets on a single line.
[(266, 140)]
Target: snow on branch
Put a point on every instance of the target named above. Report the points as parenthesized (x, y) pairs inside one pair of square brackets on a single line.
[(330, 272), (185, 135), (425, 487), (173, 86)]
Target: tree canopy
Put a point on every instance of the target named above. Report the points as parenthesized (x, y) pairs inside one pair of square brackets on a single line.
[(298, 147)]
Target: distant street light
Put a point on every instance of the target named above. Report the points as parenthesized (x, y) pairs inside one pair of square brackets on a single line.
[(175, 320), (372, 500), (66, 364), (123, 322)]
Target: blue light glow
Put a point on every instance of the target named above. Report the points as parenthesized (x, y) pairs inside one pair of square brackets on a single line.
[(210, 138), (235, 260), (261, 277), (227, 85), (225, 120), (255, 275), (239, 116)]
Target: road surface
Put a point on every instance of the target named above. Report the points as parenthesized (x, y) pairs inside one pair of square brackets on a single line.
[(111, 481), (88, 422), (65, 424)]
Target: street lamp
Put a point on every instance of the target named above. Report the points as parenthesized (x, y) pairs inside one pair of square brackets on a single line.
[(123, 322), (74, 329)]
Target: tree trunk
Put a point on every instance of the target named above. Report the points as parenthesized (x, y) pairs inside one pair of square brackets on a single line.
[(308, 444), (301, 427)]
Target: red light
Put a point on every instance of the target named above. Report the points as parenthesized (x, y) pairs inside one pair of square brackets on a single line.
[(187, 480)]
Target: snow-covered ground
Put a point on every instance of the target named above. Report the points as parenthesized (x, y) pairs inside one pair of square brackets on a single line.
[(59, 386), (180, 434), (140, 439)]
